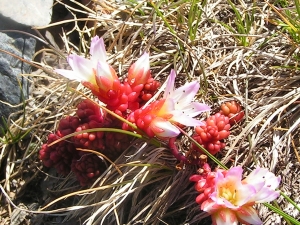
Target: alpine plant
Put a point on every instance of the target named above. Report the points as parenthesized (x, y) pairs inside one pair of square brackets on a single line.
[(224, 194), (127, 98)]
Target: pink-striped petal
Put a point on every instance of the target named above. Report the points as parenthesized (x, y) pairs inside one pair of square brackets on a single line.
[(224, 217), (247, 214), (210, 206)]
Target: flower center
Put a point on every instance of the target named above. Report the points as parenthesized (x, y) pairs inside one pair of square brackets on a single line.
[(229, 193)]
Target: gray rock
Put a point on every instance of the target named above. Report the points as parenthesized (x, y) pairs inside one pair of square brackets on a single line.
[(27, 13), (14, 88)]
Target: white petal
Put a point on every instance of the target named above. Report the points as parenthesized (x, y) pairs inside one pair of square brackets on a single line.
[(83, 67), (170, 85), (70, 74), (142, 63), (166, 129), (265, 195), (183, 119), (97, 49), (184, 95), (104, 70), (195, 108)]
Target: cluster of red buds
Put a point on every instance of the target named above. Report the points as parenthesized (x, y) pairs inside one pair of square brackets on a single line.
[(216, 128), (212, 133), (130, 94), (59, 155), (69, 155), (233, 111), (204, 180)]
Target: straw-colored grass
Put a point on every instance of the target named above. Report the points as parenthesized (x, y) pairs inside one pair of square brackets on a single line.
[(144, 186)]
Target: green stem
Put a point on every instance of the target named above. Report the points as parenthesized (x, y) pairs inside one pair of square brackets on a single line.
[(152, 141), (283, 214), (162, 17), (204, 150), (290, 200)]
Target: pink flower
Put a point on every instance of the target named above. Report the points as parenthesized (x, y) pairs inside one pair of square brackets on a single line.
[(265, 183), (97, 75), (84, 70), (179, 102), (175, 108), (178, 108), (232, 199), (94, 73)]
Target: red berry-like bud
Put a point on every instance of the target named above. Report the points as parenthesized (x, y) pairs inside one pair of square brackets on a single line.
[(233, 110), (201, 198), (116, 143), (59, 155), (212, 132), (89, 111), (87, 168), (67, 125), (89, 140), (204, 183), (150, 88)]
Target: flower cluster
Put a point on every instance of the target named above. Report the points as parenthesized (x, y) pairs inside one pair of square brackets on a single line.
[(64, 155), (223, 194), (212, 133), (216, 128), (176, 108), (229, 199), (97, 75), (127, 98)]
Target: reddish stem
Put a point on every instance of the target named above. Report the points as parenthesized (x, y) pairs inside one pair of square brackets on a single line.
[(178, 155)]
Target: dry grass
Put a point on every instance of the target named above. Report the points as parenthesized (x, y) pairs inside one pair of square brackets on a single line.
[(263, 76)]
